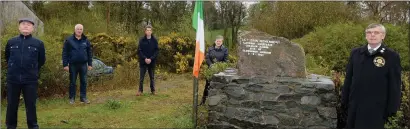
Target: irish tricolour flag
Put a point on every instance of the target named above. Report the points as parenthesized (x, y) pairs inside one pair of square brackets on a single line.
[(198, 24)]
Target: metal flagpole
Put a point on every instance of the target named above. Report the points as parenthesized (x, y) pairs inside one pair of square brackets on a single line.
[(195, 105)]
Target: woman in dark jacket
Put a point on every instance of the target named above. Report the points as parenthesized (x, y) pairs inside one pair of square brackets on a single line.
[(215, 53)]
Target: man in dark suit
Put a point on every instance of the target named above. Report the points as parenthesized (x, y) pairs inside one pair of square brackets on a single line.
[(147, 54), (371, 91)]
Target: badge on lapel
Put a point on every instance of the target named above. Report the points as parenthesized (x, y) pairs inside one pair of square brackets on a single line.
[(379, 61), (382, 51)]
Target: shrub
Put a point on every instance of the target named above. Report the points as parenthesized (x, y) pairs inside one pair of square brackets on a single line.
[(176, 52), (126, 75), (401, 119), (216, 68), (113, 50), (330, 46)]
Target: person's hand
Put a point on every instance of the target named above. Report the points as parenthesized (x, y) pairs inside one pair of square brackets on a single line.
[(148, 61), (89, 68), (66, 68)]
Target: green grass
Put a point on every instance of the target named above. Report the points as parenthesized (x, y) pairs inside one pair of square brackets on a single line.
[(170, 108)]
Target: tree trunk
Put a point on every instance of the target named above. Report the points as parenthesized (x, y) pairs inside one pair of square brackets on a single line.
[(108, 16), (409, 43), (237, 24), (233, 37)]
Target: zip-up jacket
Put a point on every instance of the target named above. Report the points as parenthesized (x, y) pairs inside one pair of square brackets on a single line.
[(25, 55), (77, 51)]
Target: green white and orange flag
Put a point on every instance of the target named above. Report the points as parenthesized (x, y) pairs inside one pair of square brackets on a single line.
[(198, 24)]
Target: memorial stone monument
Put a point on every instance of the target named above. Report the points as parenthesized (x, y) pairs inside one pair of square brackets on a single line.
[(270, 89)]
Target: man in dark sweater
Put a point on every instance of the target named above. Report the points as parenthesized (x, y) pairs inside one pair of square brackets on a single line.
[(147, 54), (76, 55), (25, 55)]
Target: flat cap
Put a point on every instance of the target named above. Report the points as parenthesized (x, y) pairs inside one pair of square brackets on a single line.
[(26, 20)]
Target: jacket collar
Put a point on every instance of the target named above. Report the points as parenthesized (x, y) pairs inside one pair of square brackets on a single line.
[(22, 36), (152, 37), (222, 47), (83, 37), (364, 49)]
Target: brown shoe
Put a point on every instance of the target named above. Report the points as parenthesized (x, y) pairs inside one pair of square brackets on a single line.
[(139, 93)]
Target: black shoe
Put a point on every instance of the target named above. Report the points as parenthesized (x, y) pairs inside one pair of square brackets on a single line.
[(85, 101)]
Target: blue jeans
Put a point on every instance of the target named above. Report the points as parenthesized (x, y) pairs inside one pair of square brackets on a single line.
[(13, 100), (143, 69), (80, 69)]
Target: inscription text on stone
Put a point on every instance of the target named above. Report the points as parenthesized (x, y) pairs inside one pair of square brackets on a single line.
[(257, 47)]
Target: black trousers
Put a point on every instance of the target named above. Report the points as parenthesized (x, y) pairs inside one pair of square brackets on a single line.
[(206, 89), (13, 99), (143, 69)]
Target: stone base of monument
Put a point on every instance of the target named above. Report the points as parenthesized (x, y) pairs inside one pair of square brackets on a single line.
[(240, 102)]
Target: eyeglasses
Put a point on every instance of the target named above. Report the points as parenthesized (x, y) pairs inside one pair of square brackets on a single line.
[(373, 32)]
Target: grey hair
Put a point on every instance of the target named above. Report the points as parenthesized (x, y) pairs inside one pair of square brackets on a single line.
[(219, 37), (374, 25), (78, 25)]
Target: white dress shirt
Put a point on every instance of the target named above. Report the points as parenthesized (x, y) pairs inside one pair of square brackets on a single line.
[(375, 49)]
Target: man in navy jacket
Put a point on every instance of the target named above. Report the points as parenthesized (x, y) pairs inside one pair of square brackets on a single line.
[(25, 55), (147, 53), (76, 55)]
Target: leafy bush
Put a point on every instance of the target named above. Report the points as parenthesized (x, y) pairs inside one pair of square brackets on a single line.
[(113, 50), (402, 117), (126, 75), (176, 52), (292, 19), (182, 63), (405, 104), (394, 121), (330, 46), (216, 68)]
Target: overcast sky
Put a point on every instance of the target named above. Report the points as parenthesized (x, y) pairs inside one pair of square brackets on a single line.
[(248, 3)]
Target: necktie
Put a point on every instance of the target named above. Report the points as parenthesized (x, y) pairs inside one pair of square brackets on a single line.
[(371, 51)]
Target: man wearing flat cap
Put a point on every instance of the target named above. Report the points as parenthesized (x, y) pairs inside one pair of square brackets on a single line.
[(25, 55)]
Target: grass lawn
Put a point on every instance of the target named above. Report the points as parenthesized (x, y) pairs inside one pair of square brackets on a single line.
[(170, 108)]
